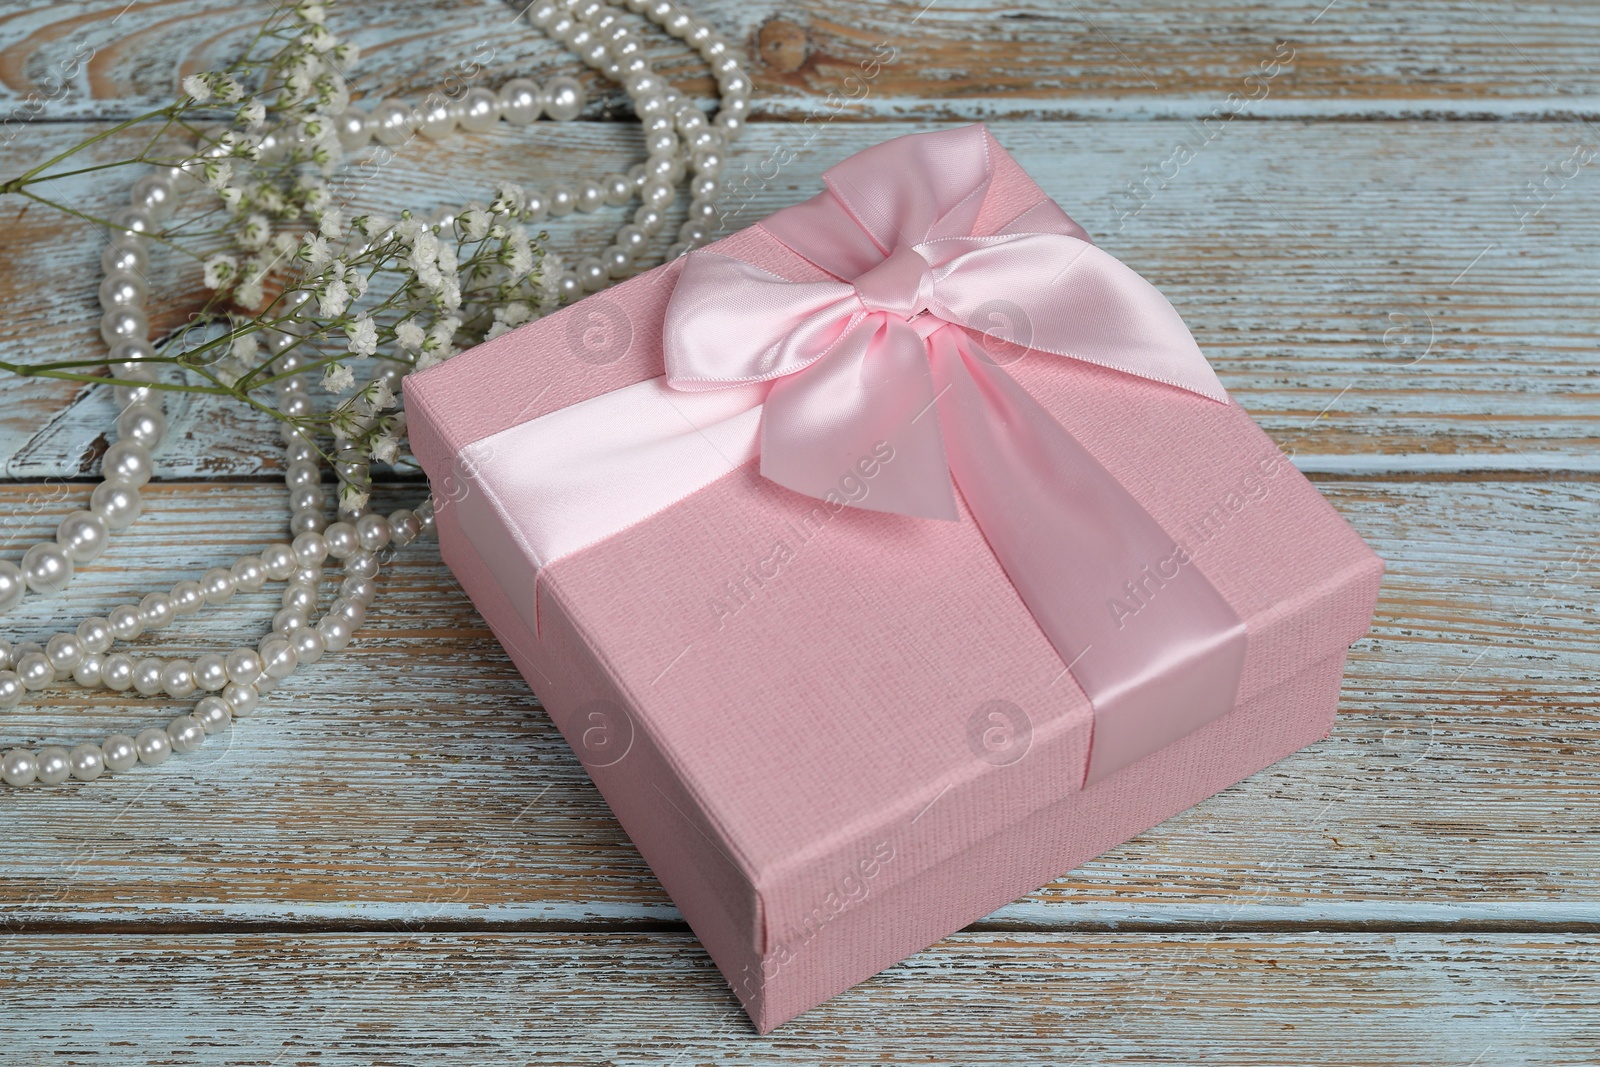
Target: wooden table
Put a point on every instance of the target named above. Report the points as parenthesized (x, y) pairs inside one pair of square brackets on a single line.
[(1389, 249)]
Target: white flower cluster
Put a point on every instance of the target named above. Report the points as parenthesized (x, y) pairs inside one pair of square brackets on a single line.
[(349, 294)]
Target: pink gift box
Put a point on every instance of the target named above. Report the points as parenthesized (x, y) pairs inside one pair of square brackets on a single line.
[(839, 735)]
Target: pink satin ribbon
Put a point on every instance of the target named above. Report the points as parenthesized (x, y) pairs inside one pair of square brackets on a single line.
[(883, 357)]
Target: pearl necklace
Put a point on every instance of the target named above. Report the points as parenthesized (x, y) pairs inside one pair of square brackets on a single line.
[(233, 682)]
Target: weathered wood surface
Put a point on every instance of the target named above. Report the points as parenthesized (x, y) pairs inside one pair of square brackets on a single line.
[(979, 58), (411, 779), (1041, 1000), (1372, 312), (398, 859)]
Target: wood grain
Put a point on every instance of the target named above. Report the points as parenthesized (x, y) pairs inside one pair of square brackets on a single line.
[(654, 998), (1372, 313), (980, 58), (411, 780)]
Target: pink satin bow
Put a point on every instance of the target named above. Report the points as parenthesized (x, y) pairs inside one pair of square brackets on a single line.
[(883, 356)]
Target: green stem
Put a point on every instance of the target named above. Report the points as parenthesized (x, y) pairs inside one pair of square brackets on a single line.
[(17, 184)]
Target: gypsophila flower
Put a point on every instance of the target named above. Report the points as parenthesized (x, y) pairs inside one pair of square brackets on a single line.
[(331, 223), (386, 447), (475, 222), (338, 378), (316, 252), (333, 299), (195, 85), (221, 271), (409, 336), (363, 334), (252, 115), (510, 198), (255, 231), (218, 173)]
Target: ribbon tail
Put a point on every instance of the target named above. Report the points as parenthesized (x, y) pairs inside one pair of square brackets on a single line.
[(1153, 645)]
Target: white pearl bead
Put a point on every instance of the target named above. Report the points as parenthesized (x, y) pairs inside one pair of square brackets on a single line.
[(277, 656), (662, 142), (185, 734), (147, 676), (570, 286), (341, 539), (361, 590), (95, 633), (657, 193), (8, 654), (13, 585), (592, 273), (302, 474), (243, 665), (177, 678), (403, 526), (143, 424), (123, 289), (188, 597), (650, 219), (372, 532), (480, 110), (86, 762), (310, 548), (124, 260), (212, 713), (216, 585), (156, 610), (562, 200), (47, 568), (127, 462), (89, 670), (241, 698), (117, 504), (351, 611), (632, 240), (566, 99), (18, 768), (35, 671), (11, 689), (83, 536), (335, 632), (591, 196), (153, 746), (54, 767), (116, 673), (354, 129), (210, 672), (521, 101), (248, 574), (125, 622), (64, 651), (279, 561), (120, 752), (288, 620), (300, 597), (391, 122), (542, 13), (122, 324), (362, 563), (618, 189), (435, 119), (307, 644)]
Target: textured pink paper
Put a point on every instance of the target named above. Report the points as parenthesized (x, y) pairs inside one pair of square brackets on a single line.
[(792, 717)]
